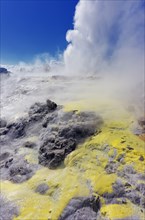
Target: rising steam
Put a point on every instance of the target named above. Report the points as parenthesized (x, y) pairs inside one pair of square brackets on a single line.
[(108, 37)]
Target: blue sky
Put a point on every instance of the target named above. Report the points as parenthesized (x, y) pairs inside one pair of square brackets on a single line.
[(29, 28)]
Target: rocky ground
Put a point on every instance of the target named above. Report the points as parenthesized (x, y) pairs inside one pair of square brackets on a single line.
[(73, 162)]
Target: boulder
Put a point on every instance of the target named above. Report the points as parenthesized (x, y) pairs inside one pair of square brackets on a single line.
[(62, 134), (53, 151), (39, 110), (20, 171), (81, 208)]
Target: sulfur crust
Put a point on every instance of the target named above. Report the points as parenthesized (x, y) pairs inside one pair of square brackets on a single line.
[(116, 211)]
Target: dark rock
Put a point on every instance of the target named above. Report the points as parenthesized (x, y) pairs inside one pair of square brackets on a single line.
[(17, 129), (3, 131), (78, 130), (63, 132), (51, 105), (39, 110), (55, 150), (29, 144), (42, 188), (81, 208), (8, 162), (4, 70), (50, 118)]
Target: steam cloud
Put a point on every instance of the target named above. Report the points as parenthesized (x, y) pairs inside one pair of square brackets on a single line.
[(108, 37), (107, 41)]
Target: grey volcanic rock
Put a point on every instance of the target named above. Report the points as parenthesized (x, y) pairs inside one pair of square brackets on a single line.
[(15, 168), (4, 70), (81, 208), (8, 210), (42, 188), (39, 110), (20, 171), (17, 129), (50, 118), (62, 134), (53, 151)]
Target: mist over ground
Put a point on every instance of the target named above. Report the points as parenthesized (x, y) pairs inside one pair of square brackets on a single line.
[(105, 49)]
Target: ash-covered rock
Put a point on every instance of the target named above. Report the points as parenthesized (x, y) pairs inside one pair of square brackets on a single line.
[(42, 188), (123, 191), (16, 169), (53, 151), (81, 208), (50, 118), (39, 110), (8, 210), (62, 134), (17, 129)]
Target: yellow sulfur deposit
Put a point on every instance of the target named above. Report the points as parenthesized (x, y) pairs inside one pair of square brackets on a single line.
[(115, 211)]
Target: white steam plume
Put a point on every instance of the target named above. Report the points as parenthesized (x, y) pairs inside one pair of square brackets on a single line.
[(108, 37)]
